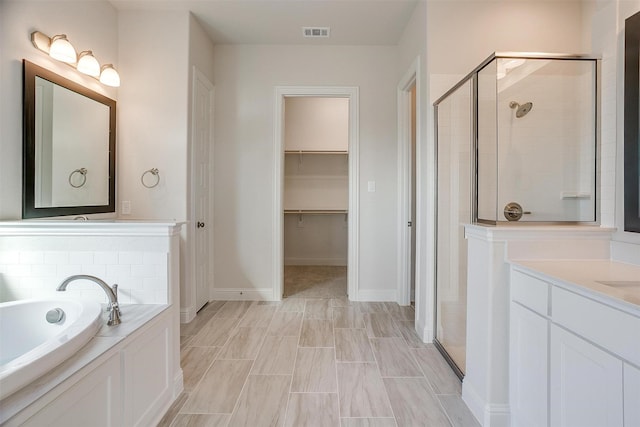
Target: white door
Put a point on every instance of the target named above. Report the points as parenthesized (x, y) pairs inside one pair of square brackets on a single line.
[(201, 185), (585, 383)]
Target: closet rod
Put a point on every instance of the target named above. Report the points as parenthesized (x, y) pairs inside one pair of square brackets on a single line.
[(315, 211)]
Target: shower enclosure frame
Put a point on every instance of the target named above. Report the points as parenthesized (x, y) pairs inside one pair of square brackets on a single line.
[(473, 218)]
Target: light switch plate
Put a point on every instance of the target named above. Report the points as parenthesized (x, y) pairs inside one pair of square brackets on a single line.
[(125, 207), (371, 186)]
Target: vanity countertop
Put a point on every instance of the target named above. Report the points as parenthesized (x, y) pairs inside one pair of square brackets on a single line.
[(134, 316), (586, 276)]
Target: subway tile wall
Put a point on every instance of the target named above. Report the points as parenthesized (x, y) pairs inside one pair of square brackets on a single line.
[(141, 276)]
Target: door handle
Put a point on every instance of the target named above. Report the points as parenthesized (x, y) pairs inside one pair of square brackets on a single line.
[(200, 224), (410, 224)]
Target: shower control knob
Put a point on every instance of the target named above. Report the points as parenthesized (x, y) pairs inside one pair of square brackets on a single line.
[(200, 224), (513, 211)]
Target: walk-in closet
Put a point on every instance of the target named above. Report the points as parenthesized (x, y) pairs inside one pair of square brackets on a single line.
[(316, 196)]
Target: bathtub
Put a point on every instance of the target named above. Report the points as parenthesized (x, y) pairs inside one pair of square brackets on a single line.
[(30, 346)]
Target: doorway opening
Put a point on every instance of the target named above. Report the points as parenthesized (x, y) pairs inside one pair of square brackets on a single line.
[(316, 193)]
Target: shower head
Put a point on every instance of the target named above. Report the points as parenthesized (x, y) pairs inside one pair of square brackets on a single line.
[(521, 110)]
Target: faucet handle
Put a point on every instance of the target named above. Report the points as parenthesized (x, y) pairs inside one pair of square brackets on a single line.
[(115, 290)]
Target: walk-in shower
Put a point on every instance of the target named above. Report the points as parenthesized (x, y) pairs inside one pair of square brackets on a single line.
[(516, 144)]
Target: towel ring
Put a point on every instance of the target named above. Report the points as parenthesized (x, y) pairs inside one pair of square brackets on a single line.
[(83, 173), (154, 172)]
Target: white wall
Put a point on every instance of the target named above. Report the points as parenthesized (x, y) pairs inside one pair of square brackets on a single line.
[(244, 155), (89, 25), (608, 41)]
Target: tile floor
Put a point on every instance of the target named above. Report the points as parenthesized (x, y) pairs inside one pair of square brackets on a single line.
[(312, 362)]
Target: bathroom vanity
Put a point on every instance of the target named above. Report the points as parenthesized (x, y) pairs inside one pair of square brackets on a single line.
[(574, 352)]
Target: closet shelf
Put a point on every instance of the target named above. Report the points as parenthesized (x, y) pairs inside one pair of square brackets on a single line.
[(315, 211), (314, 152)]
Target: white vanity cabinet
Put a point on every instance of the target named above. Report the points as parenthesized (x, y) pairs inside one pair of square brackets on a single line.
[(574, 356)]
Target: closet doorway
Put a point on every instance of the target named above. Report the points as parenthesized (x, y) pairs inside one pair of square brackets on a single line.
[(316, 192)]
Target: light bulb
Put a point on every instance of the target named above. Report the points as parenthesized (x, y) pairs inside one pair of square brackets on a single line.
[(109, 76), (88, 64), (62, 50)]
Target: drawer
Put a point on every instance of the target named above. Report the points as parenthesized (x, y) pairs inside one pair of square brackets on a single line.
[(529, 291), (612, 329)]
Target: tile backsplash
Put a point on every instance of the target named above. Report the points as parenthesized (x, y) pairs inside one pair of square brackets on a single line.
[(141, 276)]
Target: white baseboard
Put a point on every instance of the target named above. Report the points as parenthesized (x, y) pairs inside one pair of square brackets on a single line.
[(376, 295), (187, 314), (230, 294), (488, 415), (341, 262), (425, 332)]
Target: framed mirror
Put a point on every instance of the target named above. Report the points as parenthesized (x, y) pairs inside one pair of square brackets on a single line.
[(69, 147), (632, 124)]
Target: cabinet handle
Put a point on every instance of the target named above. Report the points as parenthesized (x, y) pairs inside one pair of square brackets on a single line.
[(200, 224)]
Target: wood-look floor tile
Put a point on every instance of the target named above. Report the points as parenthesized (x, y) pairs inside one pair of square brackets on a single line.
[(173, 410), (347, 317), (277, 356), (316, 333), (292, 304), (258, 316), (243, 344), (458, 412), (201, 420), (371, 307), (195, 361), (213, 306), (263, 401), (361, 391), (286, 324), (185, 340), (400, 312), (215, 333), (219, 389), (437, 371), (194, 326), (380, 325), (368, 422), (394, 358), (408, 331), (317, 308), (234, 309), (352, 345), (341, 302), (315, 371), (313, 409), (414, 403)]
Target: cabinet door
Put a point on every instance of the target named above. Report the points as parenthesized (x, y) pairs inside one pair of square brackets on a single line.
[(95, 400), (585, 384), (528, 388), (631, 395)]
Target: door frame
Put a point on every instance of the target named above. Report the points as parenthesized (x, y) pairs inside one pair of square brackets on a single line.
[(282, 92), (410, 78), (188, 312)]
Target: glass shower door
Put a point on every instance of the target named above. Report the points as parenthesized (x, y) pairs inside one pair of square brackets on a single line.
[(454, 139)]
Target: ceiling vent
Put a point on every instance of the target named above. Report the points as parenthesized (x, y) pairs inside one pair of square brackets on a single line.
[(316, 32)]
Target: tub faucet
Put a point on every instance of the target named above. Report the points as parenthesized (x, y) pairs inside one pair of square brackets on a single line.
[(112, 294)]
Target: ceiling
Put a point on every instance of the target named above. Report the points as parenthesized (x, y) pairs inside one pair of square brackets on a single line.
[(352, 22)]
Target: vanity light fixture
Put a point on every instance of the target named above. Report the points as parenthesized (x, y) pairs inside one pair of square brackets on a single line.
[(88, 64), (58, 47), (62, 50), (109, 76)]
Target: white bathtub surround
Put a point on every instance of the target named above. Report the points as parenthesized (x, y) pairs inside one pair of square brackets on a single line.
[(32, 346), (485, 387), (143, 258), (107, 364)]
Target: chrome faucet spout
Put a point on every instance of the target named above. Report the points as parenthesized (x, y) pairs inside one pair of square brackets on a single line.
[(114, 308)]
